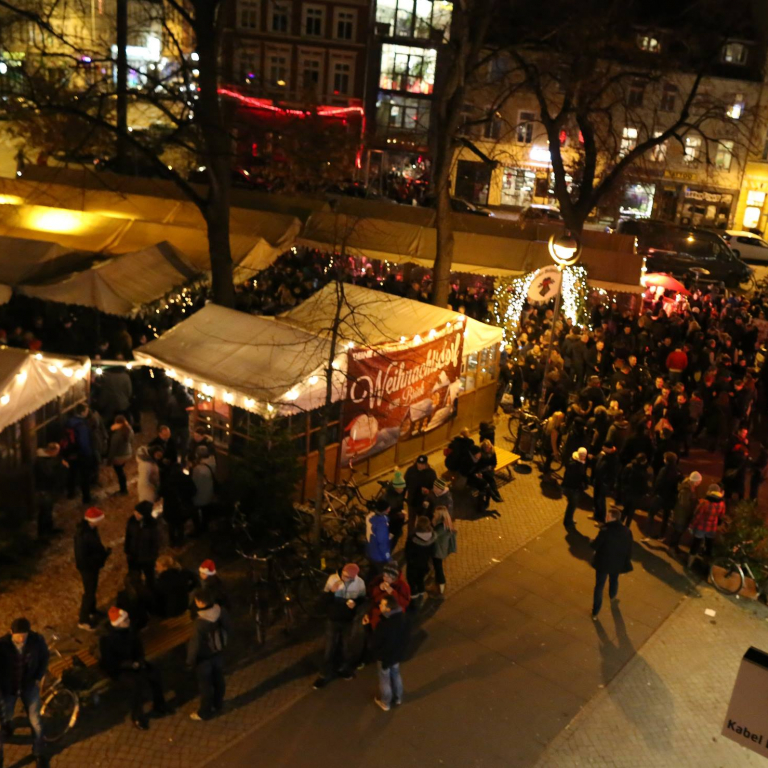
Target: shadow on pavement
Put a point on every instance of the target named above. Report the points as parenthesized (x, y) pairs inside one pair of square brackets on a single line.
[(579, 545)]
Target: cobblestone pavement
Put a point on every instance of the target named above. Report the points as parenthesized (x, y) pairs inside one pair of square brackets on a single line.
[(666, 708)]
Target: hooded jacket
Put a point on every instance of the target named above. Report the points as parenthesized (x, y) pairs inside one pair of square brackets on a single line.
[(202, 645), (685, 505), (142, 542), (148, 476), (420, 551), (377, 534)]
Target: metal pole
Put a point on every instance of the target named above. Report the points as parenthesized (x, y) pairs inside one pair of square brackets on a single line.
[(543, 395)]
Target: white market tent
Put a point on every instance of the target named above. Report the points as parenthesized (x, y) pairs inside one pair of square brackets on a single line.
[(251, 361), (28, 381), (24, 261), (238, 358), (123, 284)]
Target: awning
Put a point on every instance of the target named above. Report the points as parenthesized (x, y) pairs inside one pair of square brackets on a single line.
[(28, 261), (28, 381), (123, 284), (370, 318), (250, 361)]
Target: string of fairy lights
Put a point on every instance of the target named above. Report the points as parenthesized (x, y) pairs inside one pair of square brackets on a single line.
[(511, 294), (68, 370)]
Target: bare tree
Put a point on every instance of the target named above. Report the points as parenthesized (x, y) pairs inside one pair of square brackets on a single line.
[(613, 93), (67, 78)]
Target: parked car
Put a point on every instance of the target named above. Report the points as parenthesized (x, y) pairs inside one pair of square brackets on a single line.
[(747, 245), (541, 213), (686, 252), (459, 205)]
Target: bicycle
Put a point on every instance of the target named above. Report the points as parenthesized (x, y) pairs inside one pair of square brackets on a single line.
[(60, 706), (728, 573)]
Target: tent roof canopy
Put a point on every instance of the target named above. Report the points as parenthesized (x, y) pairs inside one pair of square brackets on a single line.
[(28, 381), (371, 318), (121, 285)]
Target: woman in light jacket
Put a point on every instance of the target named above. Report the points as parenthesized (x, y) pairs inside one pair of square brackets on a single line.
[(444, 529), (120, 450)]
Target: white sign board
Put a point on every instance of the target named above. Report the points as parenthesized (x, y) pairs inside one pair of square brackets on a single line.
[(545, 284), (746, 722)]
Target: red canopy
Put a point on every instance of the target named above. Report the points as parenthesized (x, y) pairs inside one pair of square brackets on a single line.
[(667, 282)]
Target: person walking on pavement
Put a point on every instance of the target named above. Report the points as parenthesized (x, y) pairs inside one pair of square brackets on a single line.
[(122, 658), (706, 520), (24, 659), (388, 645), (120, 450), (142, 545), (613, 556), (419, 479), (664, 494), (636, 480), (574, 482), (419, 551), (345, 593), (379, 547), (682, 513), (205, 652), (90, 557)]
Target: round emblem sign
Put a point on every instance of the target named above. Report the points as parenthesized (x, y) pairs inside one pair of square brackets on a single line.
[(545, 284)]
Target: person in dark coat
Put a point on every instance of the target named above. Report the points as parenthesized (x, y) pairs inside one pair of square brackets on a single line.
[(419, 551), (389, 642), (213, 585), (90, 556), (142, 545), (664, 493), (122, 658), (178, 490), (79, 451), (166, 442), (603, 478), (419, 479), (635, 484), (574, 482), (23, 663), (394, 495), (205, 653), (613, 556), (173, 585)]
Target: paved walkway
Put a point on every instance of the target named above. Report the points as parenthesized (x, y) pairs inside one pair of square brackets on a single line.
[(666, 708)]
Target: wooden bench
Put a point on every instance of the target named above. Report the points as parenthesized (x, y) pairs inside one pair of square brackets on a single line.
[(505, 460), (159, 637)]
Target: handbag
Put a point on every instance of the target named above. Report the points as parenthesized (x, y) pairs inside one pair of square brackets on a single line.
[(452, 542)]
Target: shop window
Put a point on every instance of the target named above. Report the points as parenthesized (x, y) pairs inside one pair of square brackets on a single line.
[(756, 198), (638, 200), (734, 53), (752, 217), (469, 372), (724, 155), (628, 140), (692, 149), (668, 98), (648, 43), (248, 14), (407, 69), (517, 186), (525, 122), (635, 94), (314, 20)]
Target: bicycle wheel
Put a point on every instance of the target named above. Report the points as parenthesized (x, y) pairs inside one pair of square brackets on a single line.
[(726, 576), (309, 592), (59, 713), (513, 425)]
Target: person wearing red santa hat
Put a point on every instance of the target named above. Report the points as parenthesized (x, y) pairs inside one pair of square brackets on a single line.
[(122, 658), (213, 583), (90, 556)]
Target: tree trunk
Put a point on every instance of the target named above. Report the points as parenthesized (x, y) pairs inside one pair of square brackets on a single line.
[(209, 119), (441, 272), (122, 85)]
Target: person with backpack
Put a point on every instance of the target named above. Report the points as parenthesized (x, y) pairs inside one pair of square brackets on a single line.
[(205, 653), (122, 658), (78, 450), (379, 547), (90, 557)]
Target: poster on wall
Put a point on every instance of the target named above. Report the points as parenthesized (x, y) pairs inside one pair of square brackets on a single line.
[(398, 393)]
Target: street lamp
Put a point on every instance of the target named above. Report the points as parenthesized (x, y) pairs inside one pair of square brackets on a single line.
[(565, 250)]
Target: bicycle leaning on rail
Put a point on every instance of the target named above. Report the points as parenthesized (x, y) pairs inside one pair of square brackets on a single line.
[(527, 436), (60, 706), (728, 574)]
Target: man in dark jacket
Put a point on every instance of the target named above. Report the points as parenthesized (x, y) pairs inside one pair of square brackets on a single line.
[(79, 451), (122, 658), (635, 484), (165, 442), (344, 594), (90, 556), (574, 482), (205, 650), (178, 491), (613, 556), (23, 662), (603, 478), (142, 545), (388, 645), (419, 479)]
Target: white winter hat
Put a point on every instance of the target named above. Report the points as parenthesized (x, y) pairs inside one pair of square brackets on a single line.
[(694, 478)]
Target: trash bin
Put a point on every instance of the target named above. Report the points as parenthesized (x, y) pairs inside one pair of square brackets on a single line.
[(526, 442)]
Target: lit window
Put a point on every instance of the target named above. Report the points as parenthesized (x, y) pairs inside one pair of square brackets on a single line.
[(724, 155), (414, 18), (734, 53), (756, 198), (248, 14), (345, 23), (525, 122), (751, 217), (649, 43), (280, 16), (405, 68), (659, 152), (314, 20), (668, 98), (628, 139), (278, 70), (736, 110), (692, 149)]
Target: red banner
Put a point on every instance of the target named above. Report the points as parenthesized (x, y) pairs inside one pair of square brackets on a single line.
[(399, 392)]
